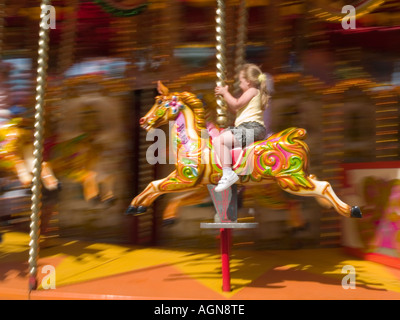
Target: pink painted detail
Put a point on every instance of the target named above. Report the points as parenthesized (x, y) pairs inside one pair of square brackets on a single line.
[(388, 229), (386, 234), (181, 129), (284, 152), (273, 154), (278, 163), (395, 194)]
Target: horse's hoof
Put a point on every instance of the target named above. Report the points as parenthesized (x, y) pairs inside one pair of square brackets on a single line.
[(141, 209), (135, 210), (355, 212), (169, 221), (131, 210)]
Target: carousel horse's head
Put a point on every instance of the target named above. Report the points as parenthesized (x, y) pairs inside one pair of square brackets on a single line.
[(165, 109)]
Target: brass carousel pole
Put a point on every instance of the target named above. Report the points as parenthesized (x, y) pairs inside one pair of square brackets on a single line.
[(240, 53), (38, 146), (221, 61)]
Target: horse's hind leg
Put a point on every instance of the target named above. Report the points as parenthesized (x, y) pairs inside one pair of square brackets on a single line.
[(90, 186), (325, 195), (295, 218), (323, 202), (107, 184), (187, 199)]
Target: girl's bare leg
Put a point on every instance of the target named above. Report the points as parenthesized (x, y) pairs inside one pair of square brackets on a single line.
[(223, 145)]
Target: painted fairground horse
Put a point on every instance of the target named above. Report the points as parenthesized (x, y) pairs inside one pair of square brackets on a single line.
[(281, 159), (16, 155)]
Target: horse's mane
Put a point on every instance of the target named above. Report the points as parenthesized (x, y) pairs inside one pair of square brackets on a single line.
[(197, 106)]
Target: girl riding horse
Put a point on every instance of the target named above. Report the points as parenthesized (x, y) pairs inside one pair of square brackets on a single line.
[(281, 159)]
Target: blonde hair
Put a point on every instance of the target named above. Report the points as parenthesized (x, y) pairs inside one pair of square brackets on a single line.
[(259, 80)]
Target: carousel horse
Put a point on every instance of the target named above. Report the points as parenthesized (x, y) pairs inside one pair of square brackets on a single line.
[(16, 154), (87, 139), (269, 196), (280, 159)]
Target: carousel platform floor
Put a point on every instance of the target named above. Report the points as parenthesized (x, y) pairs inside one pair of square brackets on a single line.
[(96, 271)]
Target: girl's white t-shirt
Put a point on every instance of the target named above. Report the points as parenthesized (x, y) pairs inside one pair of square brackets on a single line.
[(251, 112)]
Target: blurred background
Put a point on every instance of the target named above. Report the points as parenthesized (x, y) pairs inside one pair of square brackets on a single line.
[(105, 56)]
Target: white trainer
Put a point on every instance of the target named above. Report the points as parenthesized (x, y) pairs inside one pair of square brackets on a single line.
[(226, 181)]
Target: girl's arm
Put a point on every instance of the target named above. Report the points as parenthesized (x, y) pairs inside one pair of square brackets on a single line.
[(233, 103)]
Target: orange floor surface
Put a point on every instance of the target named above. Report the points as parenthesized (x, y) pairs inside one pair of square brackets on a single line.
[(96, 271)]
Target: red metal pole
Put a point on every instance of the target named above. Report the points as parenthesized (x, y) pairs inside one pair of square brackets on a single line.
[(225, 246)]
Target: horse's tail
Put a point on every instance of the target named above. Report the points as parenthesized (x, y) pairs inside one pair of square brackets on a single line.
[(284, 156)]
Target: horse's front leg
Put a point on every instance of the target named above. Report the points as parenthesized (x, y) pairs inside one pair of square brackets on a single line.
[(156, 188), (50, 182)]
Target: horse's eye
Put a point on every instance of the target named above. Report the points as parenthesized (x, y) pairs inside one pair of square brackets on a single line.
[(159, 101)]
